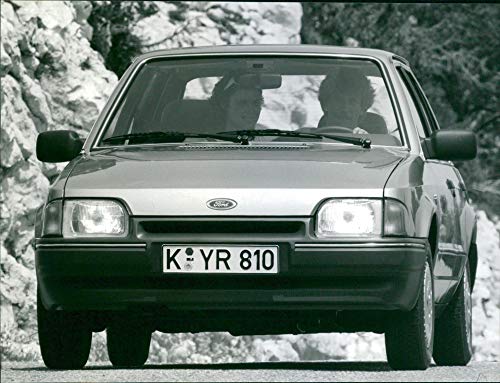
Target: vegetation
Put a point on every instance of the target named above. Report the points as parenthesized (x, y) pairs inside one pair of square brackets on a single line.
[(113, 22), (454, 51)]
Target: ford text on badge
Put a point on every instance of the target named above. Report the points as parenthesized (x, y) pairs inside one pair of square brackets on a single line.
[(221, 204)]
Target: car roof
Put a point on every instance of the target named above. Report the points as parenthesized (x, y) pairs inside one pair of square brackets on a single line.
[(273, 48)]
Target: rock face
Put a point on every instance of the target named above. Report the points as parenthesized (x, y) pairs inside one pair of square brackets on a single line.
[(486, 294), (217, 23), (52, 79)]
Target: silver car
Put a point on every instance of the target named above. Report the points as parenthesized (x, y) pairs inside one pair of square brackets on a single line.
[(259, 190)]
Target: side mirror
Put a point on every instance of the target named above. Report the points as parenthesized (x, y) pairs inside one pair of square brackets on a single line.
[(58, 146), (450, 145)]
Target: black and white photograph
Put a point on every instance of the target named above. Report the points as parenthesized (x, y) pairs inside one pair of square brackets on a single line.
[(249, 191)]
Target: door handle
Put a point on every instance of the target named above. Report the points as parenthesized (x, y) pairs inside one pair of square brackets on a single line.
[(451, 186)]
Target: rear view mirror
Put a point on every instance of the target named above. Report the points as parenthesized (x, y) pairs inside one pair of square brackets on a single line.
[(58, 146), (451, 145), (260, 80)]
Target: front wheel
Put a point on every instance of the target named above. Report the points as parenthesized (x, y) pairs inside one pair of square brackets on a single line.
[(128, 344), (65, 337), (453, 339), (409, 339)]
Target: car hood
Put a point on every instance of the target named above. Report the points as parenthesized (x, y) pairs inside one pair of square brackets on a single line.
[(283, 180)]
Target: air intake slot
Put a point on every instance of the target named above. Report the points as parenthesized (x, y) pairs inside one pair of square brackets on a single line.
[(244, 147)]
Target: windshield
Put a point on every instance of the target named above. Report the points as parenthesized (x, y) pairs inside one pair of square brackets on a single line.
[(198, 96)]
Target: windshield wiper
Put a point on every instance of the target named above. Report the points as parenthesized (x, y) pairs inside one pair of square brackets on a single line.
[(236, 136), (160, 136), (245, 135)]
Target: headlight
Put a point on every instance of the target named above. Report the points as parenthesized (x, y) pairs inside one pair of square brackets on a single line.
[(349, 217), (94, 218)]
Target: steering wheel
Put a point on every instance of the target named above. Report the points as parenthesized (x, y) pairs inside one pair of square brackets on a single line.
[(333, 129)]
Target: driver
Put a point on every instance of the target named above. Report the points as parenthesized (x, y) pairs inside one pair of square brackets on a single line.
[(238, 107), (345, 96)]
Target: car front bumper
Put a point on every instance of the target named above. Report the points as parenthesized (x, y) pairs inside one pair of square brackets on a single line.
[(126, 274)]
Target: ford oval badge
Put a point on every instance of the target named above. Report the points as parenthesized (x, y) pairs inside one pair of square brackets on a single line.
[(221, 204)]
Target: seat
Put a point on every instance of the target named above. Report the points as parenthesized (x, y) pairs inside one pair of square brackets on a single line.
[(373, 123), (193, 116)]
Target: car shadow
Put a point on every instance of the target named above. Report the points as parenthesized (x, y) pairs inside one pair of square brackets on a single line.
[(313, 366)]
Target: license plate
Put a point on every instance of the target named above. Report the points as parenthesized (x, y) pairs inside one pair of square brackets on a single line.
[(220, 259)]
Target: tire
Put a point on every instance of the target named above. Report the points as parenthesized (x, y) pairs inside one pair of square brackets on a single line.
[(453, 337), (128, 344), (409, 338), (65, 338)]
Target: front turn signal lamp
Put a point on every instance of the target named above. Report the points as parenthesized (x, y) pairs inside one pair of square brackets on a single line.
[(397, 220), (52, 218)]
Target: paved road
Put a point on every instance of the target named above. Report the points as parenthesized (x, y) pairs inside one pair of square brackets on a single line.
[(248, 372)]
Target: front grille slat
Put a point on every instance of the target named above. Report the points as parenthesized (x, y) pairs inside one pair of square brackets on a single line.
[(221, 227)]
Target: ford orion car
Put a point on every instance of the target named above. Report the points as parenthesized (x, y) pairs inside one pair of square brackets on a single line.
[(259, 190)]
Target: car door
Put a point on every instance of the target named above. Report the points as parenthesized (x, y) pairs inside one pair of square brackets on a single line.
[(444, 185)]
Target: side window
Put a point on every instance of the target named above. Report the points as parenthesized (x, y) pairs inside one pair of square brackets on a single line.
[(428, 110), (417, 109)]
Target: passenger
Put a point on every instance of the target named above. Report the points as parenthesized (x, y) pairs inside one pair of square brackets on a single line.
[(238, 107), (345, 96)]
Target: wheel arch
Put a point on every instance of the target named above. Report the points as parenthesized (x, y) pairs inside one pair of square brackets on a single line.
[(433, 236), (472, 256)]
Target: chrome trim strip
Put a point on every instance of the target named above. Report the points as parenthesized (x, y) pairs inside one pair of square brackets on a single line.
[(94, 139), (450, 253), (446, 278), (76, 245), (357, 245)]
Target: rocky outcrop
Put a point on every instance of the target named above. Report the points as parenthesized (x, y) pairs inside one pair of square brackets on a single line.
[(486, 295), (217, 23), (52, 79)]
